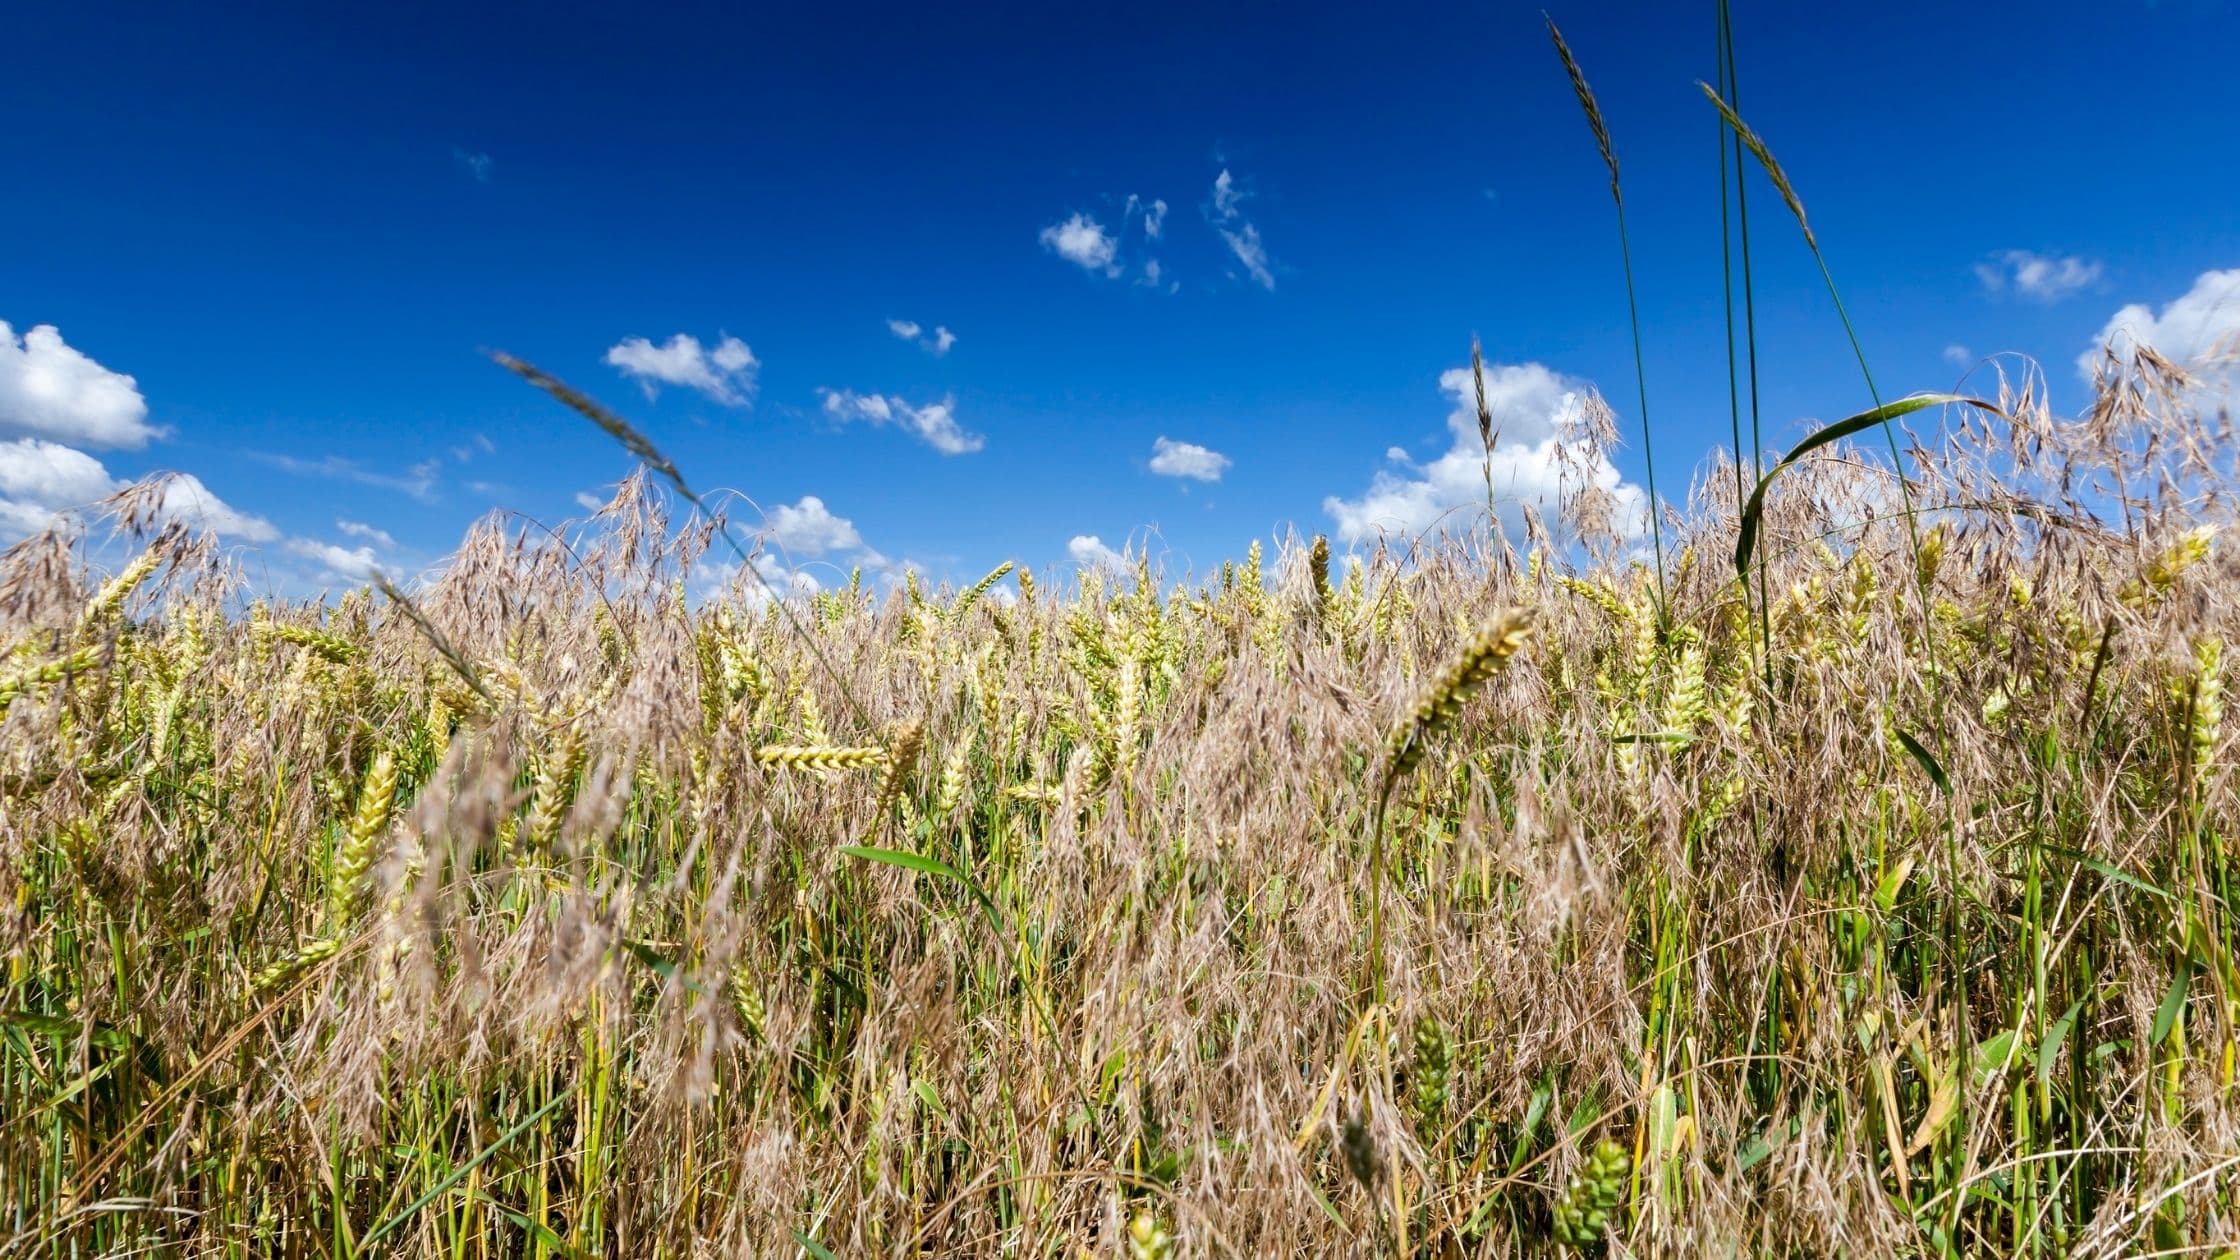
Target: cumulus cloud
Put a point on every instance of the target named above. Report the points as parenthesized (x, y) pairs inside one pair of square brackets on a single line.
[(1083, 242), (777, 577), (1089, 552), (588, 501), (40, 480), (351, 564), (2039, 277), (808, 529), (726, 373), (187, 500), (50, 389), (1170, 458), (1958, 355), (938, 341), (1242, 237), (2199, 330), (934, 423), (357, 529), (1532, 408)]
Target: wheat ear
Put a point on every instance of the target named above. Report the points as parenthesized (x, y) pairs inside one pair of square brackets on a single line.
[(1483, 657)]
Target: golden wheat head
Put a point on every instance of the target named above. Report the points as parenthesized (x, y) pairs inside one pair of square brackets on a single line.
[(1485, 655)]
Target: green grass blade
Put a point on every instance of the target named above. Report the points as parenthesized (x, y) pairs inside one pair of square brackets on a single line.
[(460, 1173), (1746, 538)]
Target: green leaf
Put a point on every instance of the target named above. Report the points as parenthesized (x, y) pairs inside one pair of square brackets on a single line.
[(65, 1028), (1765, 1142), (1893, 880), (1746, 538), (542, 1233), (2166, 1015), (2050, 1048), (812, 1246), (1533, 1115), (2117, 874), (1928, 763), (660, 966), (1994, 1057), (459, 1174), (924, 865)]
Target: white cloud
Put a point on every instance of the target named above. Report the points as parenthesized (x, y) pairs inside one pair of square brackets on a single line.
[(1245, 244), (1089, 552), (2200, 330), (1170, 458), (478, 164), (187, 500), (50, 389), (938, 341), (1083, 242), (711, 579), (725, 374), (935, 423), (2037, 276), (1532, 407), (352, 564), (418, 481), (1958, 355), (40, 480), (357, 529), (588, 501), (1243, 237), (808, 530), (1226, 195), (1154, 214)]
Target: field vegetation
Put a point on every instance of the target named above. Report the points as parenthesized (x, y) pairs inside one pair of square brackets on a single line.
[(1839, 862)]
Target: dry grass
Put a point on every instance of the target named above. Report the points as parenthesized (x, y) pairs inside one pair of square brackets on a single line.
[(610, 927)]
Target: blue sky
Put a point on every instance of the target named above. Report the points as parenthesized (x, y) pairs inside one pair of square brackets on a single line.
[(294, 227)]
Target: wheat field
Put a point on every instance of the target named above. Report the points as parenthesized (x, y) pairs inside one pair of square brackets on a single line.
[(1871, 894)]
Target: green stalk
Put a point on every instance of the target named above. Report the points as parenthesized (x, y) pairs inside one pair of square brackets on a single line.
[(1601, 132)]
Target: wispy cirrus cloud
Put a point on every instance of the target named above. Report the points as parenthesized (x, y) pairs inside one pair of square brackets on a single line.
[(937, 342), (417, 482), (1239, 233)]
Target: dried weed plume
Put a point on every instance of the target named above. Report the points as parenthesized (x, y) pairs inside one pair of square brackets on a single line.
[(545, 909)]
